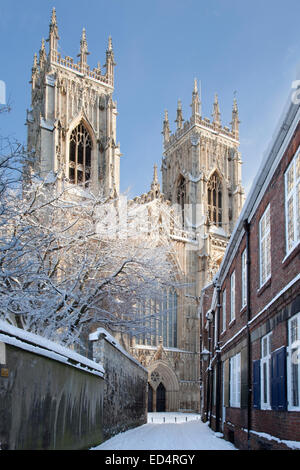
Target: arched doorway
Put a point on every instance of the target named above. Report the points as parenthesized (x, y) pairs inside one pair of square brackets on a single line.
[(160, 398), (150, 398), (161, 375)]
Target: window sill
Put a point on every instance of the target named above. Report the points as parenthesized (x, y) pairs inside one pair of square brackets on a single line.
[(231, 323), (289, 256), (243, 309), (266, 408), (293, 409), (264, 287)]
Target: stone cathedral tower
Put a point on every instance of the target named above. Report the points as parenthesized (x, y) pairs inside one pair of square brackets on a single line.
[(201, 181), (201, 175), (72, 124)]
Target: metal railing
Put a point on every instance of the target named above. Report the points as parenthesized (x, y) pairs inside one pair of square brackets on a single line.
[(160, 418)]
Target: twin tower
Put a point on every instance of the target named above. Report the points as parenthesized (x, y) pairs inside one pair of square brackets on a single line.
[(72, 124), (72, 132)]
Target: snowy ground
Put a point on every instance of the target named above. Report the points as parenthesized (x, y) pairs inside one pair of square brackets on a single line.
[(168, 431)]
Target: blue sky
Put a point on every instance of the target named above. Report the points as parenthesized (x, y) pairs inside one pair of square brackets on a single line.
[(251, 47)]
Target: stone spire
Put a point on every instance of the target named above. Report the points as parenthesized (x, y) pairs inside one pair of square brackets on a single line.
[(109, 47), (53, 17), (179, 119), (155, 186), (195, 100), (35, 64), (53, 36), (216, 112), (83, 51), (83, 43), (34, 71), (166, 128), (110, 63), (42, 55), (235, 119)]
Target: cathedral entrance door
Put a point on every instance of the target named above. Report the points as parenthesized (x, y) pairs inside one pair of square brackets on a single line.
[(150, 398), (160, 398)]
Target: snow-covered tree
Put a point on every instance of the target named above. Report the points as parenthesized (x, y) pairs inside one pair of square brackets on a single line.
[(70, 259)]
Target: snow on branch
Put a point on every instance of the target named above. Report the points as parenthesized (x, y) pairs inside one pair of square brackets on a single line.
[(65, 267)]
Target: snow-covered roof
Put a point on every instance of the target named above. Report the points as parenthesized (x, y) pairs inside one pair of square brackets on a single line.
[(28, 341), (217, 230)]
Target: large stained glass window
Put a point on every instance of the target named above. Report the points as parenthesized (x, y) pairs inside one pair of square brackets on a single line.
[(159, 321)]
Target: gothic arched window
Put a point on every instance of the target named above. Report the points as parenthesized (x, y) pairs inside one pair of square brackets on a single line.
[(159, 319), (214, 200), (80, 155), (181, 196)]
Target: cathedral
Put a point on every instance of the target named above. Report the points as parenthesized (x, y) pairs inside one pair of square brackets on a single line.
[(72, 133)]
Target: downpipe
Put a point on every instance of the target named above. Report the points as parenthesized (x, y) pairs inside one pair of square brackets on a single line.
[(249, 352), (218, 361)]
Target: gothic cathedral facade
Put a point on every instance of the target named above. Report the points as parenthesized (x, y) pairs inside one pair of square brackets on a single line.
[(72, 133), (72, 124)]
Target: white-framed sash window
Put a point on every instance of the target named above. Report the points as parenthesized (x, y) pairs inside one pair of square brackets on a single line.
[(293, 363), (244, 278), (264, 247), (224, 310), (232, 296), (265, 365), (235, 381), (292, 203)]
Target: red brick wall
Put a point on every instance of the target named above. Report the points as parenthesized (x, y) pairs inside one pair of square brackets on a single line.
[(281, 273), (240, 314), (281, 424)]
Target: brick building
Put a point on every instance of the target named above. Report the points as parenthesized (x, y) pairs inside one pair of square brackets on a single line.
[(250, 313)]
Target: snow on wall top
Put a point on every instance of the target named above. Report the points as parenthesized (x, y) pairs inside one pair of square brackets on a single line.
[(101, 331), (14, 336)]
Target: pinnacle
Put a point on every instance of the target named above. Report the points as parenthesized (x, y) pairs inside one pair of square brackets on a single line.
[(35, 61), (195, 85), (109, 44), (53, 17), (53, 30), (216, 110), (83, 43), (155, 179), (155, 183), (235, 108)]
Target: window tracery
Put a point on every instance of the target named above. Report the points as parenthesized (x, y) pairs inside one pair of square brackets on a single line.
[(214, 200), (80, 155), (181, 197)]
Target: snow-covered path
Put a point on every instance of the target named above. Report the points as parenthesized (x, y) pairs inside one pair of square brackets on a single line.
[(164, 434)]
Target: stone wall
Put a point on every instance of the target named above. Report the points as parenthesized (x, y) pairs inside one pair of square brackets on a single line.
[(50, 397), (125, 389)]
